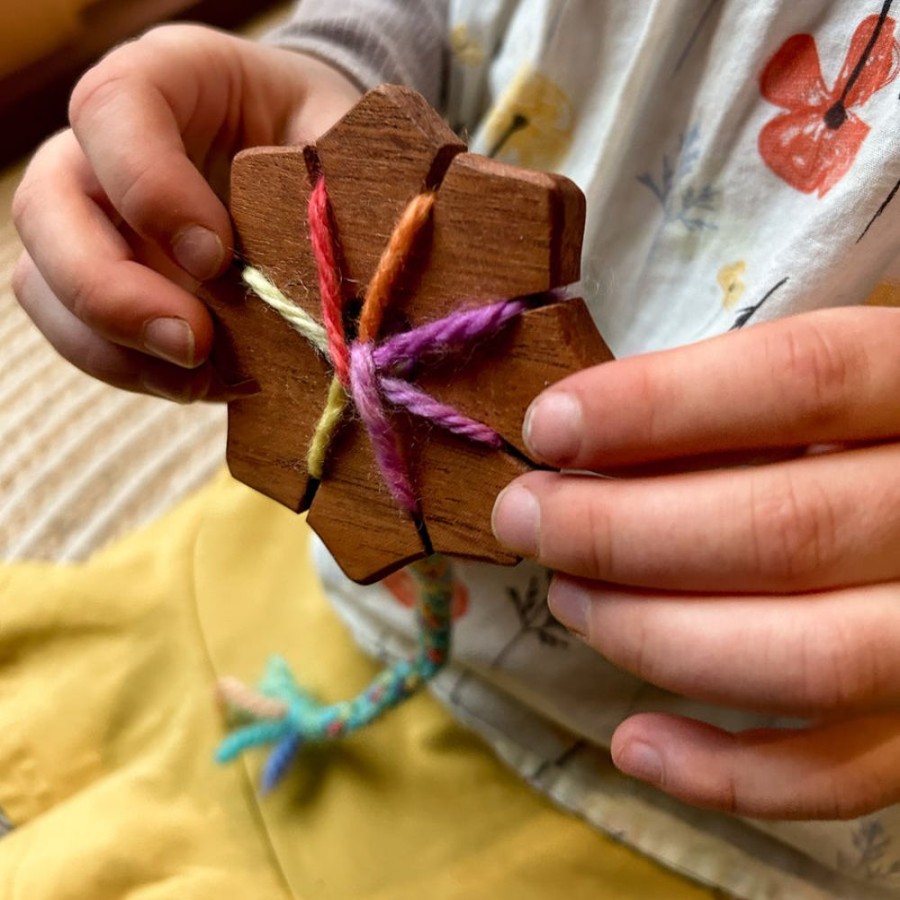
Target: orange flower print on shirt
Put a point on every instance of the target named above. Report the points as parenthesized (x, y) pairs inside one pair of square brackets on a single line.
[(814, 142)]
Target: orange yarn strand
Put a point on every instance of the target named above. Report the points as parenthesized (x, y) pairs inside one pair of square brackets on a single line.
[(390, 266)]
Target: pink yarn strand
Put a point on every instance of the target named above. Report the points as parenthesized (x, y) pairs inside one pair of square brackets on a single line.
[(367, 398), (403, 394)]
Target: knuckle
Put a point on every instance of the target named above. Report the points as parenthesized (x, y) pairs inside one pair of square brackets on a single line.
[(638, 653), (850, 794), (824, 374), (651, 396), (134, 59), (794, 530), (837, 672), (99, 86), (600, 559), (22, 203), (728, 793), (139, 198), (34, 192), (20, 276), (723, 787), (103, 80), (87, 301)]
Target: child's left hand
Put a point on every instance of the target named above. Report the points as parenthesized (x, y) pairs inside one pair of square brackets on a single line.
[(767, 587)]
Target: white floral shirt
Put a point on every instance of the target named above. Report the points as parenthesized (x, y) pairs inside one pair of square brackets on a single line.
[(739, 161)]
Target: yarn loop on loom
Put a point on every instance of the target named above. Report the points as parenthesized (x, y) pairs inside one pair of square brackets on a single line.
[(370, 375)]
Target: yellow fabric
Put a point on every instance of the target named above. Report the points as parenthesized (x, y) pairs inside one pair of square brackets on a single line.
[(108, 730)]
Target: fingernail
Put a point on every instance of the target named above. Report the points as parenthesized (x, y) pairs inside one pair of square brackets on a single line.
[(570, 606), (641, 761), (516, 519), (170, 339), (165, 391), (553, 426), (199, 252)]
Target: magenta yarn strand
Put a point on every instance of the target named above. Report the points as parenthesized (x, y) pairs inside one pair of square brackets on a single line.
[(364, 386), (403, 394)]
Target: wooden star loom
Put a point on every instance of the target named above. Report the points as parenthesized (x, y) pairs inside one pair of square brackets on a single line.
[(494, 232)]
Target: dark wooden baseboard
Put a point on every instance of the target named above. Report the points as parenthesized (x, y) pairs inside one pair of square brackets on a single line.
[(33, 101)]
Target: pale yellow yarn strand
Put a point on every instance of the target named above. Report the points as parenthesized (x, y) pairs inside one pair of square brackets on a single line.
[(325, 429), (300, 320), (315, 333)]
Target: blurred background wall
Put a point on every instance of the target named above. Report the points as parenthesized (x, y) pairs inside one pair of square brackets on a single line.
[(46, 44)]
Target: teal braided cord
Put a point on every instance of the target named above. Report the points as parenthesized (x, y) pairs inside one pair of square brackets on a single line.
[(307, 721)]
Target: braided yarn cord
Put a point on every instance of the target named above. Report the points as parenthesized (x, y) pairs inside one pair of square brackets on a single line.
[(282, 714)]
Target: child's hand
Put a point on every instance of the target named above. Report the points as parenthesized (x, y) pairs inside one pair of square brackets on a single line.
[(770, 587), (122, 215)]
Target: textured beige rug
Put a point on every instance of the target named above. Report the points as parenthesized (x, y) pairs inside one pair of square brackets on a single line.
[(82, 463)]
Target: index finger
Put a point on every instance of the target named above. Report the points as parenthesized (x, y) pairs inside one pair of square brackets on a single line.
[(97, 276), (824, 377), (130, 114)]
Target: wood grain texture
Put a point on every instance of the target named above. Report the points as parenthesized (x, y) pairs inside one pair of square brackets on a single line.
[(496, 232), (499, 232), (502, 376), (358, 520), (270, 428), (384, 152)]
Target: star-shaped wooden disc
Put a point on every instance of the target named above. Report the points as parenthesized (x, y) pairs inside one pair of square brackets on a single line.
[(496, 232)]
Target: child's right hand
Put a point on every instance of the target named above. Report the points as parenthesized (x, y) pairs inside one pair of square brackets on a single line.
[(122, 216), (770, 587)]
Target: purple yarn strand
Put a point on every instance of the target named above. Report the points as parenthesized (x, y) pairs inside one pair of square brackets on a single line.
[(458, 329), (367, 399), (402, 393), (379, 373)]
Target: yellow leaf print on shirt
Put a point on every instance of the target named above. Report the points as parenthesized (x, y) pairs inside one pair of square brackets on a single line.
[(731, 280), (531, 124), (886, 293), (465, 48)]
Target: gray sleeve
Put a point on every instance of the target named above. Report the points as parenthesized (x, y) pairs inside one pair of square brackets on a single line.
[(375, 41)]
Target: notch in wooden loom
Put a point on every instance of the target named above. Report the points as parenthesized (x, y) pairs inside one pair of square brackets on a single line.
[(497, 232)]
